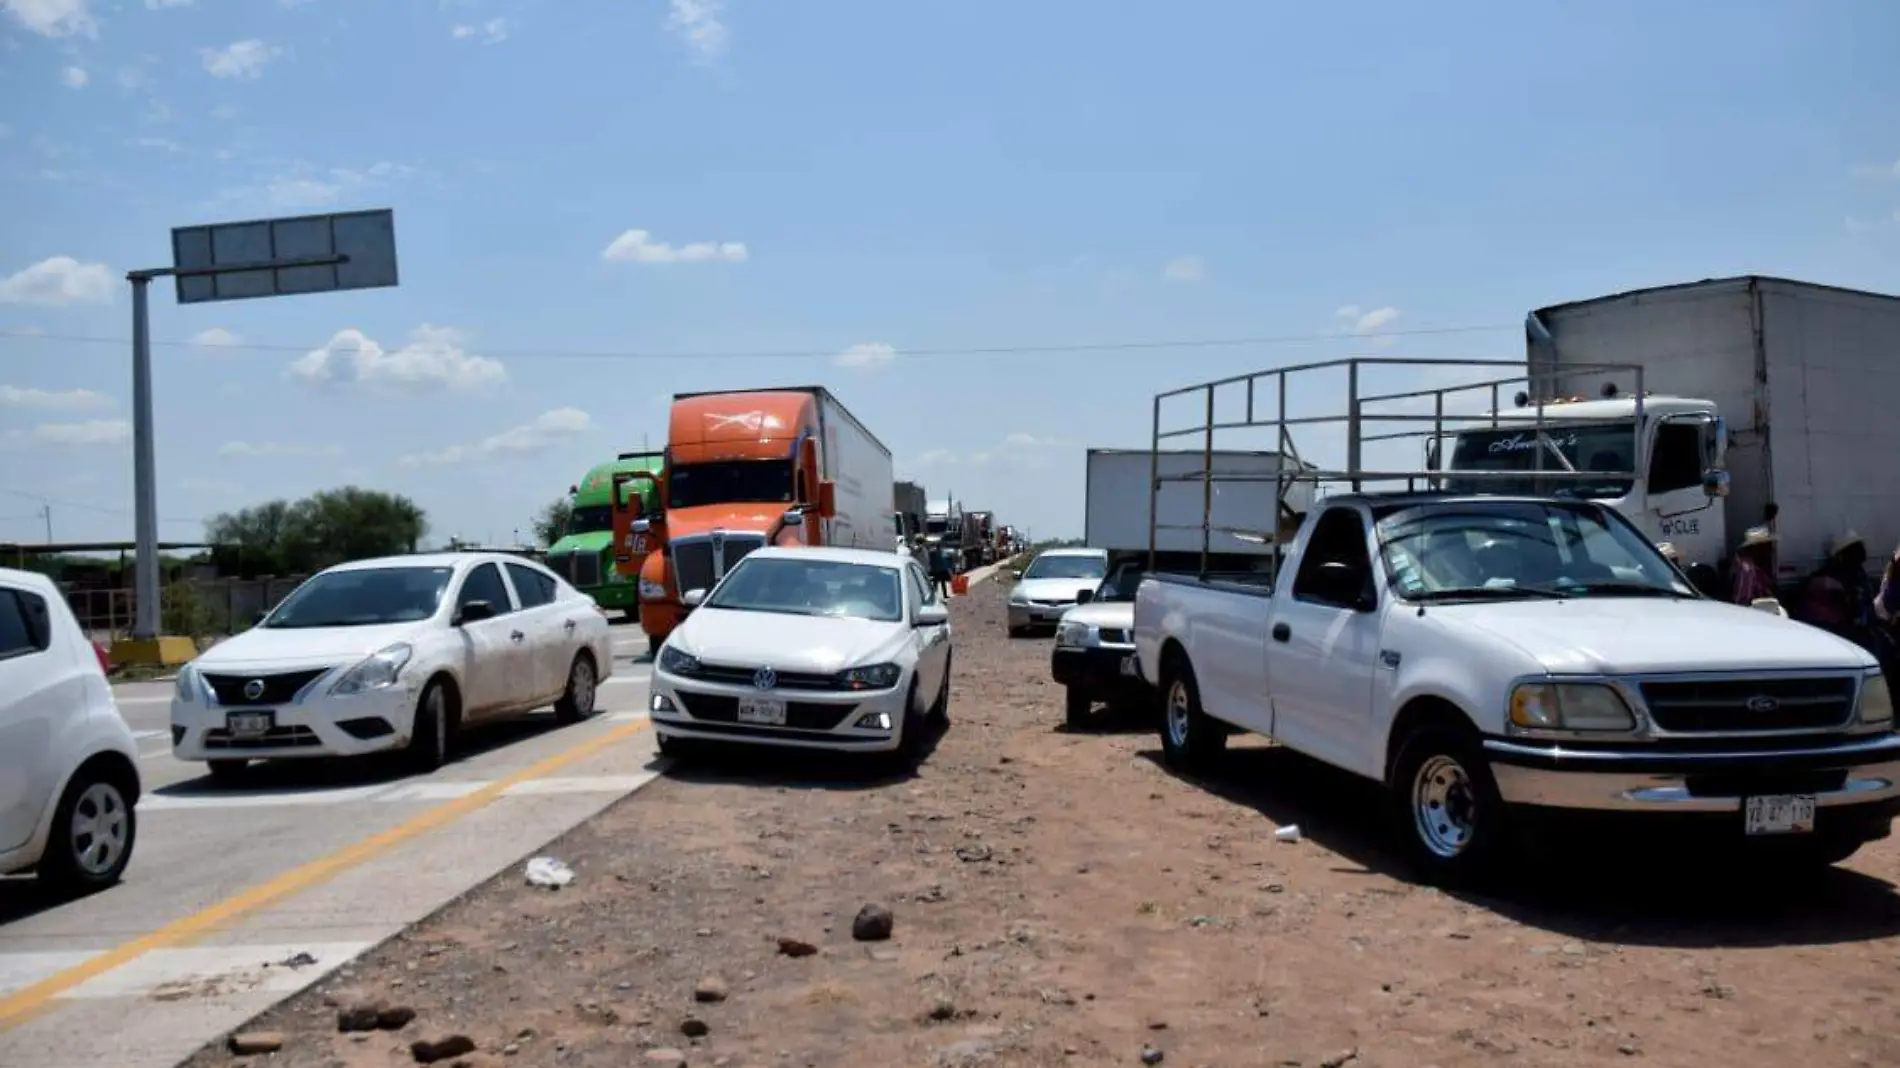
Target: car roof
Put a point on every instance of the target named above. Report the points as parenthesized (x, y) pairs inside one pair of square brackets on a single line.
[(1074, 550), (31, 580), (444, 559), (871, 557)]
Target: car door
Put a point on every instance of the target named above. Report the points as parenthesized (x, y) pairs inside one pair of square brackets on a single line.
[(552, 629), (491, 664), (35, 689), (1323, 643)]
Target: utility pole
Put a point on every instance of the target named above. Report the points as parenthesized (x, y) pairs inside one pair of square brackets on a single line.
[(46, 513)]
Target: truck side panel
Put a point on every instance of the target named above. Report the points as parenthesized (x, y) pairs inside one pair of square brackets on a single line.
[(1832, 380), (1116, 500), (860, 467), (1222, 628)]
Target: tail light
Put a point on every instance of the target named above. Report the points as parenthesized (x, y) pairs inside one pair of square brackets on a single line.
[(105, 658)]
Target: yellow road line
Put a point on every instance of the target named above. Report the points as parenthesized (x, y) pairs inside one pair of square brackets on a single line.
[(15, 1008)]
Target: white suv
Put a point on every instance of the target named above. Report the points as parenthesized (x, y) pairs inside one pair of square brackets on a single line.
[(68, 766)]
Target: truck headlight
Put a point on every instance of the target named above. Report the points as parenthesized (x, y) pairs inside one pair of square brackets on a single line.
[(1876, 702), (1569, 706), (376, 671), (1076, 634), (674, 662), (874, 677), (652, 591)]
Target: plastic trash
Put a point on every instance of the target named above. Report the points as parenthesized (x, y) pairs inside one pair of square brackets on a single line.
[(548, 872), (1288, 833)]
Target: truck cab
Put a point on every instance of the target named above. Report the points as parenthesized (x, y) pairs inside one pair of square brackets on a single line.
[(589, 554)]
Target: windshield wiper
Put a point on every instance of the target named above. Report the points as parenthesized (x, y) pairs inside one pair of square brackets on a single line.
[(1497, 593), (1618, 586)]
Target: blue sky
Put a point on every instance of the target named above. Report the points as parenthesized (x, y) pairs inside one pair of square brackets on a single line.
[(864, 190)]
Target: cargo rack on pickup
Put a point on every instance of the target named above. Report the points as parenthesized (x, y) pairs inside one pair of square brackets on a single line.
[(1527, 409)]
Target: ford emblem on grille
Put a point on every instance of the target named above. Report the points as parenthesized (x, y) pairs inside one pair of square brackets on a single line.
[(1762, 704), (765, 678), (254, 689)]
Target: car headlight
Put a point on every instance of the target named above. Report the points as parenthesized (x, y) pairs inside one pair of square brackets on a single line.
[(377, 671), (1569, 706), (1876, 702), (189, 685), (1073, 634), (652, 591), (1017, 596), (874, 677), (674, 662)]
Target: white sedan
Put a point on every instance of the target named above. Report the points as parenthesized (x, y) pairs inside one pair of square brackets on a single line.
[(396, 653), (840, 649)]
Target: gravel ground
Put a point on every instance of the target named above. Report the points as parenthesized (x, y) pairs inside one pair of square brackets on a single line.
[(1060, 899)]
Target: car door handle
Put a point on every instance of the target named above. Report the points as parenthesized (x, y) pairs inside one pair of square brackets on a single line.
[(1282, 632), (515, 636)]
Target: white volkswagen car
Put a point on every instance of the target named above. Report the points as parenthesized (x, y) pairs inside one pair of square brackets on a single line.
[(393, 653), (840, 649)]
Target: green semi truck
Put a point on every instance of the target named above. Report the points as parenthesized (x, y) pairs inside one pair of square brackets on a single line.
[(584, 554)]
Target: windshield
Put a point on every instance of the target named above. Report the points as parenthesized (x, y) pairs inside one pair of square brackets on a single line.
[(724, 481), (811, 588), (1482, 549), (1067, 566), (1599, 447), (363, 597), (588, 520), (1119, 588)]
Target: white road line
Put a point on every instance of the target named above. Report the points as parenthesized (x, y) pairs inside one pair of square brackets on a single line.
[(626, 680), (205, 973), (425, 792), (21, 970)]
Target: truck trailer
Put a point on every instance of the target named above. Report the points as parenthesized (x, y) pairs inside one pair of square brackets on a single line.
[(908, 506)]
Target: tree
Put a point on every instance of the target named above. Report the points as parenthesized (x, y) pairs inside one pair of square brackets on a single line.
[(550, 524), (299, 537)]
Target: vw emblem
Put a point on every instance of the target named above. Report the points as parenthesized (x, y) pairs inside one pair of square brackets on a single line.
[(765, 678), (1762, 704), (254, 689)]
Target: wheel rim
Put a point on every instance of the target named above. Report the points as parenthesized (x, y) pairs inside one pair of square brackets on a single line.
[(99, 828), (1178, 714), (580, 683), (1444, 806)]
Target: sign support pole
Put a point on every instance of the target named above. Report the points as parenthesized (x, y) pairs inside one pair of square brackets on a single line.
[(144, 463)]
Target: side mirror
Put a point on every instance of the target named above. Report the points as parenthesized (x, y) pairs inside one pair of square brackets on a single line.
[(694, 597), (827, 499), (1715, 483), (1085, 596), (474, 612), (1340, 583), (1431, 455), (1016, 572), (793, 518), (641, 526), (932, 615)]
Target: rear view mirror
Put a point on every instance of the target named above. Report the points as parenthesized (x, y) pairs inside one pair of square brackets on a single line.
[(1015, 572), (474, 612), (1085, 596), (827, 499), (1715, 483), (693, 598), (932, 615), (641, 526), (793, 518), (1340, 583)]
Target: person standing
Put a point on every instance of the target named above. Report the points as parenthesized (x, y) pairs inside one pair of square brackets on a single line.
[(1751, 579), (940, 568)]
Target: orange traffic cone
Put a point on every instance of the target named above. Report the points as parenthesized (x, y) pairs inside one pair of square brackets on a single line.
[(960, 586)]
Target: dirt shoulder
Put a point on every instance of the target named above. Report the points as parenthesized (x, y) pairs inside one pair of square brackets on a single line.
[(1059, 898)]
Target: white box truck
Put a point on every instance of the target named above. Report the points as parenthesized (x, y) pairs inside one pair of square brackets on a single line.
[(1797, 374)]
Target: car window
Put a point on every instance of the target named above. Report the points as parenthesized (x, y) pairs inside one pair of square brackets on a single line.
[(1337, 540), (913, 591), (535, 588), (926, 589), (484, 584), (25, 627)]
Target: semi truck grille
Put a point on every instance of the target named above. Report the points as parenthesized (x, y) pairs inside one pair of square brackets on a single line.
[(562, 564), (584, 570), (693, 561), (1714, 705), (278, 689)]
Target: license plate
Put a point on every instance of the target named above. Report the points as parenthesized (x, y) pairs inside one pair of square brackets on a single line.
[(1780, 814), (1131, 667), (762, 710), (249, 724)]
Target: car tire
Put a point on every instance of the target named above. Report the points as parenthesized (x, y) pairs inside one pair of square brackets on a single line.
[(1017, 632), (940, 708), (674, 748), (228, 772), (1453, 820), (430, 736), (577, 701), (1191, 740), (94, 830), (910, 742), (1076, 706)]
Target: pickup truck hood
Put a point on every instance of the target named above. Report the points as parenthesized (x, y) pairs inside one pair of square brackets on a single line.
[(1113, 614), (1614, 635), (291, 647), (816, 644), (1052, 589)]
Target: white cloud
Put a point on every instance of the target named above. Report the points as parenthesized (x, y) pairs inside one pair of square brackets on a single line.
[(304, 186), (936, 457), (1367, 322), (215, 337), (302, 192), (1184, 269), (277, 449), (75, 77), (88, 432), (494, 31), (545, 430), (56, 281), (155, 5), (159, 144), (53, 18), (433, 358), (638, 246), (1020, 449), (698, 24), (240, 59), (866, 356), (53, 399)]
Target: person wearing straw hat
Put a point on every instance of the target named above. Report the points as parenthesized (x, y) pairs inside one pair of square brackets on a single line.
[(1836, 597), (1750, 579)]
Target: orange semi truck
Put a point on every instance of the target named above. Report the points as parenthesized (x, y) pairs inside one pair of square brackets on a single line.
[(744, 468)]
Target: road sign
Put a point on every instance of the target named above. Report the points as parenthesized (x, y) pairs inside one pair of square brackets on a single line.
[(299, 254)]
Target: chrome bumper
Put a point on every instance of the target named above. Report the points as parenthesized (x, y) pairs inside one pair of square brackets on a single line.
[(1632, 780)]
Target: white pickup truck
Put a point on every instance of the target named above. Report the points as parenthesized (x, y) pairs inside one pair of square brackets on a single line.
[(1494, 658)]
